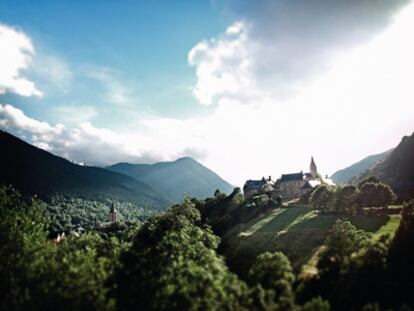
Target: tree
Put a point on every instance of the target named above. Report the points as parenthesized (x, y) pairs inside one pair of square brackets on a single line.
[(385, 195), (38, 275), (371, 179), (322, 199), (274, 271), (345, 199), (375, 195), (316, 304), (76, 275), (219, 194), (172, 265), (338, 265), (343, 241), (22, 236), (401, 254)]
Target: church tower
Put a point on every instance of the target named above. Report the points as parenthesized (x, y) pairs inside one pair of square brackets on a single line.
[(113, 212), (313, 168)]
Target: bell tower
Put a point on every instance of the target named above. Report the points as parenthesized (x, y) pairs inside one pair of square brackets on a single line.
[(313, 168), (113, 212)]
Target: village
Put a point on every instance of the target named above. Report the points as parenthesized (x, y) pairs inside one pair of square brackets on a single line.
[(288, 187)]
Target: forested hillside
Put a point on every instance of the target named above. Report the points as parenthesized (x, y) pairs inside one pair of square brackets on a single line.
[(34, 171), (172, 261), (397, 169), (345, 176)]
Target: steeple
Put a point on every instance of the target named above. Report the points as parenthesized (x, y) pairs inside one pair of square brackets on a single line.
[(313, 168), (113, 212)]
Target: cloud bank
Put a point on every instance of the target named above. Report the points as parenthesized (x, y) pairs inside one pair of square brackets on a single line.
[(276, 46), (88, 144), (16, 55)]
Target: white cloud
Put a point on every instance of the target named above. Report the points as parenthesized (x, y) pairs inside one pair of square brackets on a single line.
[(83, 142), (16, 55), (75, 113), (222, 65), (53, 72), (11, 117), (117, 91), (276, 47)]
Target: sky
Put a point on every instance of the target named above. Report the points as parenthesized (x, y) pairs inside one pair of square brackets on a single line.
[(249, 88)]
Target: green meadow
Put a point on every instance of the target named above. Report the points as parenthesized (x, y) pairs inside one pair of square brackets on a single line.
[(299, 232)]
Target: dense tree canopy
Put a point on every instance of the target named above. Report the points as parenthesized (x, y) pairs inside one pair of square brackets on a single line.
[(172, 265), (171, 262), (375, 195), (274, 271)]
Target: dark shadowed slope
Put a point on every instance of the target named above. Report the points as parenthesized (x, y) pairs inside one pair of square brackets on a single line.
[(184, 176), (35, 171), (346, 175), (397, 169)]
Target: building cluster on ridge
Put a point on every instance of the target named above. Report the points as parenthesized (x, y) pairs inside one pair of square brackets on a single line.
[(288, 186)]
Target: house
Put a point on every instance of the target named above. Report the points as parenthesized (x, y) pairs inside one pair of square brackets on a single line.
[(253, 187)]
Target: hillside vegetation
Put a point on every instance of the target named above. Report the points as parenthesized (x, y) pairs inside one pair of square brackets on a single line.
[(249, 227), (172, 261), (34, 171), (298, 232), (397, 169), (346, 175)]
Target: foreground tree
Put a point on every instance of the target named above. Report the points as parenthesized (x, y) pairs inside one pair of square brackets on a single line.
[(274, 271), (36, 274), (172, 265), (22, 236), (402, 247)]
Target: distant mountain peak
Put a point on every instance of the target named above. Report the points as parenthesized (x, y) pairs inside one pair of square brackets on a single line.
[(185, 159), (175, 179), (35, 171)]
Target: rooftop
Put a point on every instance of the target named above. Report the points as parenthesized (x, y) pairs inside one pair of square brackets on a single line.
[(292, 177)]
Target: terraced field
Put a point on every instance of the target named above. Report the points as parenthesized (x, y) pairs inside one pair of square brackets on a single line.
[(297, 231)]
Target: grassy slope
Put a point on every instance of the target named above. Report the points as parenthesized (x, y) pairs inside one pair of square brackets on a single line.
[(297, 231)]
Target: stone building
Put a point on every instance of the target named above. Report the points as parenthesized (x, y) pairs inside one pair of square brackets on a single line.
[(253, 187)]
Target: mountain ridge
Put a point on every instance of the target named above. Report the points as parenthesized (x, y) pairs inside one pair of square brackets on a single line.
[(35, 171), (184, 176), (397, 169), (345, 175)]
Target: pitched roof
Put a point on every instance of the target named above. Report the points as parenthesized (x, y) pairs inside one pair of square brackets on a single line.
[(254, 184), (292, 177)]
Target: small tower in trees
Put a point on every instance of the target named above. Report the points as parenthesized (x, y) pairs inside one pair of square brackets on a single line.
[(113, 212), (313, 168)]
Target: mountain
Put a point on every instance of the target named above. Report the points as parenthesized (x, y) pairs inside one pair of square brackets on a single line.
[(397, 169), (175, 179), (34, 171), (346, 175)]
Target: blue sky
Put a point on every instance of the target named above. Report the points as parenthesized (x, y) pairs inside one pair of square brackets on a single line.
[(144, 43), (249, 88)]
